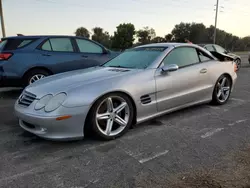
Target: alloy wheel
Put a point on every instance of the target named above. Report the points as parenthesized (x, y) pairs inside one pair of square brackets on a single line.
[(238, 64), (223, 89), (112, 116), (36, 77)]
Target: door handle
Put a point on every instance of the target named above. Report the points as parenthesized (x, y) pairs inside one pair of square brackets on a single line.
[(203, 71), (84, 56)]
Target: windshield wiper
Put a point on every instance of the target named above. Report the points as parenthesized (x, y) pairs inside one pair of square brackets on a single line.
[(119, 66)]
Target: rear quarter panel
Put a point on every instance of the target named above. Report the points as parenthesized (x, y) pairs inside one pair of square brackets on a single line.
[(22, 60), (218, 68), (19, 63)]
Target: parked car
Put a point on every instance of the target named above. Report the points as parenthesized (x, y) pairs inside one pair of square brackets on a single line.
[(26, 59), (249, 57), (221, 53), (139, 84)]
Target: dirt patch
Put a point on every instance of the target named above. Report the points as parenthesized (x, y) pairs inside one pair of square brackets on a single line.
[(232, 172)]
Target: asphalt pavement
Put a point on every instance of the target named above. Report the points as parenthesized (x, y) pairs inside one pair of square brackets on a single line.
[(202, 146)]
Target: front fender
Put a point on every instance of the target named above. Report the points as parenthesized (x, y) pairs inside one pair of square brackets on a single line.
[(88, 95)]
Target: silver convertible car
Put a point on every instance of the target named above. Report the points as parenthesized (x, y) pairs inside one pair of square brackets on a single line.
[(139, 84)]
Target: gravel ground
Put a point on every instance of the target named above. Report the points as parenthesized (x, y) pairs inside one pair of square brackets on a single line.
[(203, 146)]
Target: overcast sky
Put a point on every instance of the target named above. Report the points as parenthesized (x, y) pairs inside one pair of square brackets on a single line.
[(64, 16)]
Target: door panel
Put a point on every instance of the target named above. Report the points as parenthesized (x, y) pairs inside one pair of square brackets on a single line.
[(186, 85), (190, 83), (91, 53), (58, 54)]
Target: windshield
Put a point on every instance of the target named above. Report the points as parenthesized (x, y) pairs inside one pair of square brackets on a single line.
[(137, 58)]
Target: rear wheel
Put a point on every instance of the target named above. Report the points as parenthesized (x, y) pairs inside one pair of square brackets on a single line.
[(222, 90), (111, 116), (35, 75)]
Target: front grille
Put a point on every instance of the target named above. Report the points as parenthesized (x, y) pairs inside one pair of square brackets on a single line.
[(26, 99)]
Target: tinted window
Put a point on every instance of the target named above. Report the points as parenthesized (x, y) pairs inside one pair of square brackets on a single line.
[(2, 44), (58, 45), (88, 46), (139, 58), (219, 49), (182, 57), (209, 48), (47, 46), (13, 44), (203, 56)]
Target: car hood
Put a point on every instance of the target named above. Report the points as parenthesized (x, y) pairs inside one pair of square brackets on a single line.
[(234, 56), (69, 80)]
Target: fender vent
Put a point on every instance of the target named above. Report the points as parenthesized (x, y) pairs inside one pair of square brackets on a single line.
[(145, 99)]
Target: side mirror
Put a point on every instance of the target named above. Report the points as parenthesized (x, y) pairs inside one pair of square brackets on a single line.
[(170, 68), (105, 51)]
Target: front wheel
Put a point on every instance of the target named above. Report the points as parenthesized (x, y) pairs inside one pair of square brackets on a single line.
[(111, 116), (238, 64), (222, 90)]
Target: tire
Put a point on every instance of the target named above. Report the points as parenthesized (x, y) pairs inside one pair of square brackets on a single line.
[(108, 112), (222, 92), (32, 73), (238, 63)]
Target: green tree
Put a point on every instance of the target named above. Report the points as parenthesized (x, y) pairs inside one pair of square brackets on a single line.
[(157, 40), (101, 36), (168, 37), (145, 35), (198, 33), (83, 32), (181, 32), (124, 36)]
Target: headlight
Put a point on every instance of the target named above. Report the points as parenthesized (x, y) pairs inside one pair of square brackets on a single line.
[(43, 102), (55, 102)]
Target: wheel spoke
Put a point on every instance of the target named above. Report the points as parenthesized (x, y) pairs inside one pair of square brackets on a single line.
[(226, 88), (120, 121), (110, 105), (109, 126), (223, 82), (37, 78), (219, 94), (120, 107), (103, 116), (223, 95)]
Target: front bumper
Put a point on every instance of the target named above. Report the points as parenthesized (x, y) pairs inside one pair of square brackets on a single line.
[(46, 126), (234, 79)]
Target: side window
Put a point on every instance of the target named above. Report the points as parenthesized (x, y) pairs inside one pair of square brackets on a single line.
[(86, 46), (182, 56), (58, 45), (219, 49), (203, 56), (209, 48), (46, 46)]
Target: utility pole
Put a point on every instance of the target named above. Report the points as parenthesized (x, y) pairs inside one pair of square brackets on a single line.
[(216, 17), (2, 20)]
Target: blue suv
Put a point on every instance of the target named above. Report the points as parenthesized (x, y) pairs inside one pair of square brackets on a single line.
[(26, 59)]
